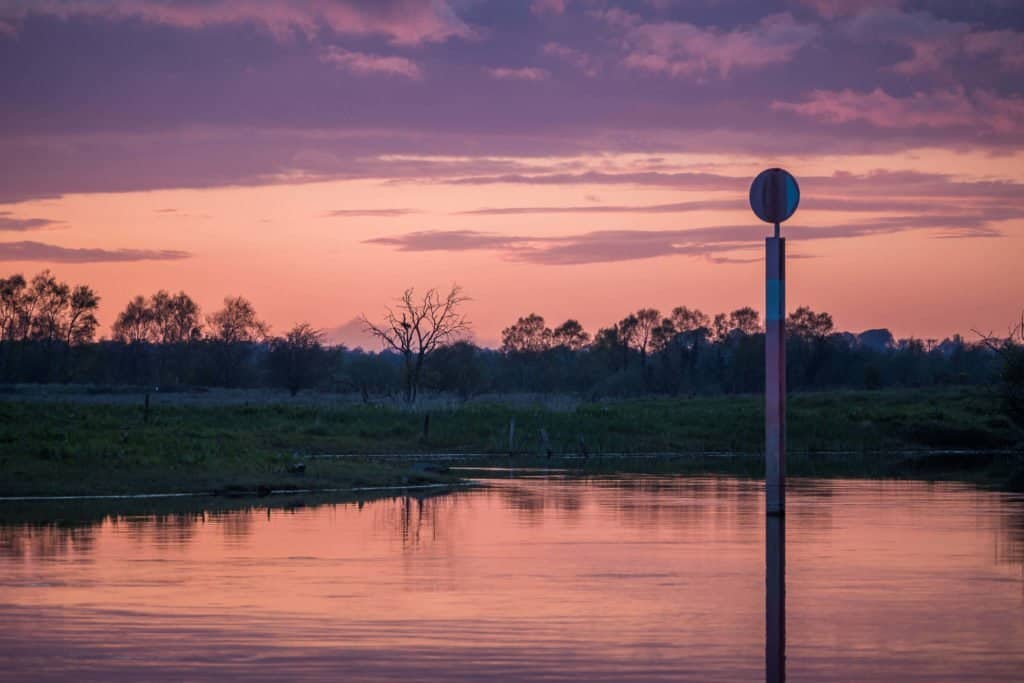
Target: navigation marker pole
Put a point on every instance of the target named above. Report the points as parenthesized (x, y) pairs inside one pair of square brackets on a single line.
[(774, 196)]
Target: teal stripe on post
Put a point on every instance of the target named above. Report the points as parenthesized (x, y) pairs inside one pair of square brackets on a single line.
[(773, 305)]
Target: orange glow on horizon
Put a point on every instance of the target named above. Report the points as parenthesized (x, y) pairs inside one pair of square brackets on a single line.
[(276, 245)]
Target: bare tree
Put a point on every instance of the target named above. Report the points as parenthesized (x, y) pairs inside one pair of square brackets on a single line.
[(1011, 350), (416, 327)]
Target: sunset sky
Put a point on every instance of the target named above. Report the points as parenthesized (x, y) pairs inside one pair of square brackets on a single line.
[(573, 158)]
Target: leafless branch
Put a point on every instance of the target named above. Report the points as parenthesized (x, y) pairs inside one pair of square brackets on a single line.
[(416, 327)]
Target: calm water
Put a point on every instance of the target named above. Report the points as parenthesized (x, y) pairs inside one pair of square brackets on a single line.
[(543, 579)]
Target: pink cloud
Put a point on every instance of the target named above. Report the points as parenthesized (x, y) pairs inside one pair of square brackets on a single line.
[(548, 6), (1007, 46), (935, 43), (830, 9), (581, 60), (937, 109), (684, 50), (402, 21), (364, 64), (521, 74), (40, 251)]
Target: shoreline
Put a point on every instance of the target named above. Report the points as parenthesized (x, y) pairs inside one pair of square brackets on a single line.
[(67, 447)]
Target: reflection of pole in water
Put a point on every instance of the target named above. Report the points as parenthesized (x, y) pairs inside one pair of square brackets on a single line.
[(775, 600)]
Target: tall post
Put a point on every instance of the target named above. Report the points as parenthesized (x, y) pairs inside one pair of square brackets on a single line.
[(775, 374)]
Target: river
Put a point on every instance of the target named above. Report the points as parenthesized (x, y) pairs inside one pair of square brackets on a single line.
[(533, 577)]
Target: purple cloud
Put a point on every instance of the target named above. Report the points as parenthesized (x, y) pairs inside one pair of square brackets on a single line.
[(379, 213), (401, 21), (811, 203), (540, 7), (936, 44), (680, 49), (938, 109), (679, 207), (302, 91), (717, 242), (830, 9), (838, 187), (10, 224), (688, 180), (38, 251), (1005, 45), (583, 61), (448, 240)]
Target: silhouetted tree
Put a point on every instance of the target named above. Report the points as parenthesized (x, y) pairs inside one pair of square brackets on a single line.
[(237, 322), (808, 345), (418, 327), (370, 373), (456, 368), (48, 310), (745, 320), (679, 339), (295, 358), (527, 335), (14, 321), (610, 346), (48, 301), (176, 318), (1011, 351), (47, 328), (234, 330), (805, 323), (644, 323), (81, 316), (570, 335), (134, 325)]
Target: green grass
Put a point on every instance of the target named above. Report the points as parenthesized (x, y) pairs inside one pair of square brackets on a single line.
[(68, 446)]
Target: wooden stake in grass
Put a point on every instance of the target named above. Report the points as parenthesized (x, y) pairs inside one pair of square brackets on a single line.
[(512, 436), (426, 426), (545, 443)]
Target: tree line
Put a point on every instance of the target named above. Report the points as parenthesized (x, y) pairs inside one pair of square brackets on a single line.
[(48, 333)]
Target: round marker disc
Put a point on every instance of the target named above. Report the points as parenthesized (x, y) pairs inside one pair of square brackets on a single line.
[(774, 195)]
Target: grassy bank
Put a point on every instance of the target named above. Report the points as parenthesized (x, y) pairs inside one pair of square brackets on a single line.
[(61, 447)]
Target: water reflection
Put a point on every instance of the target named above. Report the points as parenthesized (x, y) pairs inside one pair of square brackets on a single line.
[(540, 579), (775, 599)]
